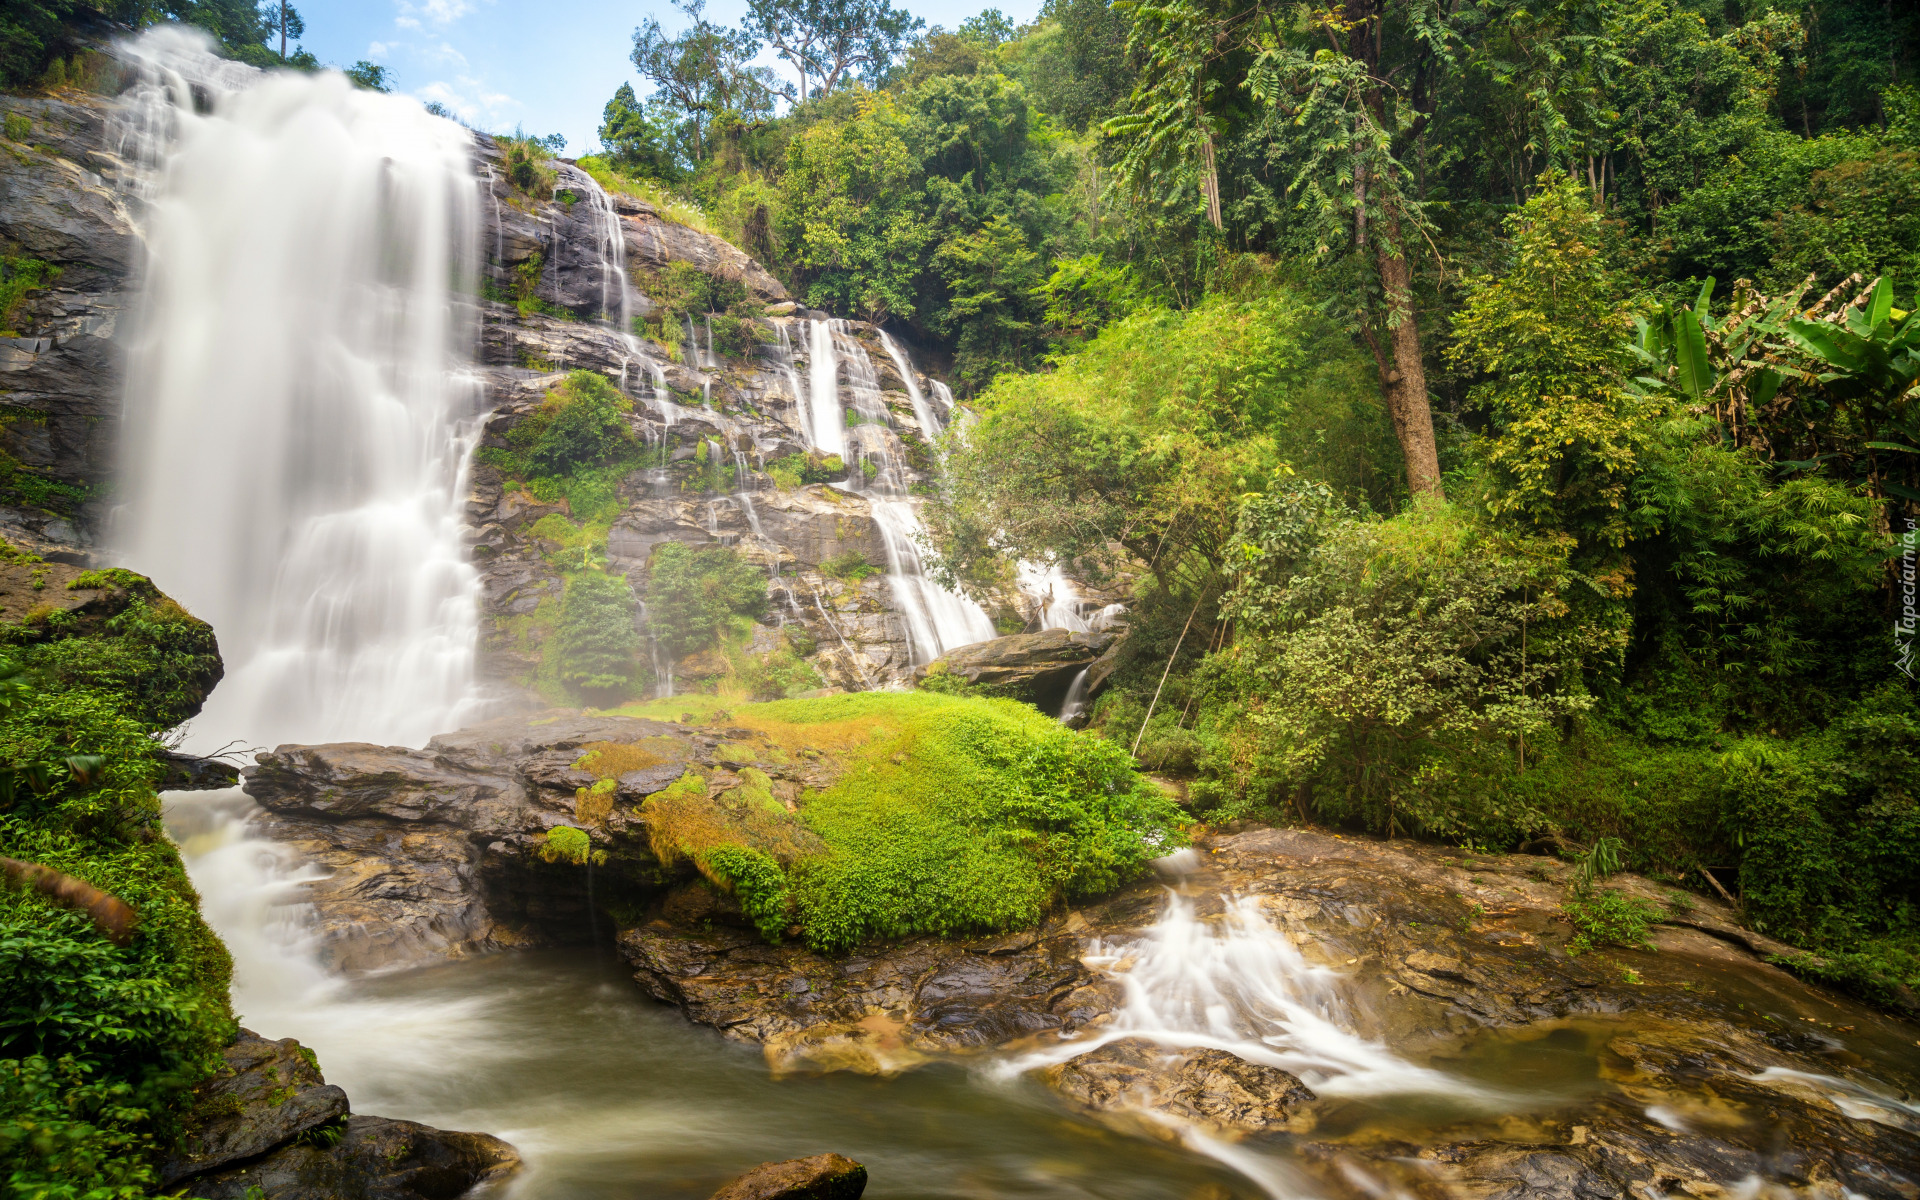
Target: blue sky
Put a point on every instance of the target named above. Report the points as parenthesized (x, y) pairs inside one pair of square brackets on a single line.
[(548, 67)]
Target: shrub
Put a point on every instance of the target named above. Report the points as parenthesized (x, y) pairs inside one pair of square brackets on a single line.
[(849, 567), (1609, 919), (797, 469), (757, 881), (585, 425), (595, 640), (1407, 655), (693, 596)]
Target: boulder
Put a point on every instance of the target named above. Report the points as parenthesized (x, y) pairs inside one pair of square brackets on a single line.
[(267, 1093), (1036, 667), (375, 1158), (1208, 1087), (821, 1177)]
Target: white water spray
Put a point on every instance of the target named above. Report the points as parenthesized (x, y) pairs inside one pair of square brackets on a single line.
[(298, 412)]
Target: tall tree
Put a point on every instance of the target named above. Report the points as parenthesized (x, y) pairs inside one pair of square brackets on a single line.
[(1338, 93), (828, 41), (702, 72)]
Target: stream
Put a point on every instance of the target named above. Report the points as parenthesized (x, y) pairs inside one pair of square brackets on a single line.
[(300, 481), (606, 1091)]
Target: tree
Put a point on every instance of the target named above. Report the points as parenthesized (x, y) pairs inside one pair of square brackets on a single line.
[(595, 641), (638, 139), (703, 72), (371, 76), (827, 41), (1339, 114)]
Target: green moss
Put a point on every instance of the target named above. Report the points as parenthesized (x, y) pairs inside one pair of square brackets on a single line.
[(102, 1043), (949, 815)]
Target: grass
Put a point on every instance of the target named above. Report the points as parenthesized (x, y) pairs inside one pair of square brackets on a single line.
[(674, 208), (948, 815)]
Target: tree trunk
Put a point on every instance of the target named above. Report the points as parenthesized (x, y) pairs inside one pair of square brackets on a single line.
[(1405, 382)]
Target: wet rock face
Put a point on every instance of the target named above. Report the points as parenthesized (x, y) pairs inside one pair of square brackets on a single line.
[(1209, 1087), (267, 1093), (375, 1159), (875, 1012), (1035, 667), (61, 201), (687, 402), (821, 1177), (435, 853), (267, 1126)]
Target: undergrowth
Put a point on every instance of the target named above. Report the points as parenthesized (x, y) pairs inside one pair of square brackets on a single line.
[(948, 816)]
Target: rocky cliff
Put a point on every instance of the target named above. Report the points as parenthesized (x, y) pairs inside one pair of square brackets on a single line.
[(573, 277), (68, 224)]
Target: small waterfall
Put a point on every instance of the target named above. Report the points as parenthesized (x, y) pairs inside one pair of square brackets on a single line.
[(937, 620), (299, 412), (820, 421), (1241, 985), (617, 293), (1075, 705), (1051, 589), (930, 427)]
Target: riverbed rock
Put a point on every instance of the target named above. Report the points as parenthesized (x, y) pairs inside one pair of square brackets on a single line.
[(1035, 667), (375, 1158), (820, 1177), (1205, 1086), (435, 853), (266, 1093)]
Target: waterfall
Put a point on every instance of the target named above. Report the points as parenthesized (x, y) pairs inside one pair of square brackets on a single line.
[(930, 427), (1054, 593), (820, 421), (937, 619), (1075, 705), (299, 408), (1241, 985)]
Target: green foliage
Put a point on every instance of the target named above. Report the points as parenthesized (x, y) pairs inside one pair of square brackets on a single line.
[(585, 425), (99, 1043), (18, 276), (1138, 448), (1405, 654), (785, 672), (1552, 333), (849, 567), (595, 644), (757, 881), (965, 815), (693, 596), (1609, 919), (796, 470), (565, 844)]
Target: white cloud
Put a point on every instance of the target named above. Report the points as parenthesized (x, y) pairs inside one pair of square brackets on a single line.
[(471, 100), (437, 12), (378, 50)]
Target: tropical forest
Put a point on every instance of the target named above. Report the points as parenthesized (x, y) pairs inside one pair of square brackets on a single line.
[(1102, 601)]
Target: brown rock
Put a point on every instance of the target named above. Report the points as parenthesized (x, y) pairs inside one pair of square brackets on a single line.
[(1035, 667), (267, 1093), (375, 1159), (821, 1177), (1211, 1087)]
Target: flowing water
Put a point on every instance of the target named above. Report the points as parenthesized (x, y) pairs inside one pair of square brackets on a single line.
[(298, 412), (299, 415)]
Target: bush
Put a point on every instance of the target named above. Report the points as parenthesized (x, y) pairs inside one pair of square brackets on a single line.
[(585, 424), (99, 1043), (595, 641), (693, 596), (1406, 656), (1609, 919)]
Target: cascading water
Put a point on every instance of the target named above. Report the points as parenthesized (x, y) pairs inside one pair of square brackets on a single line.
[(298, 411), (930, 427), (936, 619), (1241, 985), (820, 420)]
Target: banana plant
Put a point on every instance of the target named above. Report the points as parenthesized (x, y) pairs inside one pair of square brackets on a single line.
[(1729, 363), (1872, 353)]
